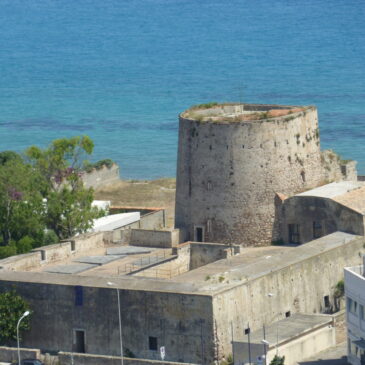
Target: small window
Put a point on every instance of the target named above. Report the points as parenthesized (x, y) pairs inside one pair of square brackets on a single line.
[(351, 306), (294, 236), (152, 343), (209, 186), (79, 297), (287, 314), (326, 299), (43, 255), (209, 225), (317, 229), (362, 312), (302, 174), (247, 331), (73, 245)]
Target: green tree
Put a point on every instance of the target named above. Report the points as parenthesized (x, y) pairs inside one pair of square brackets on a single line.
[(12, 307), (69, 209), (278, 360), (21, 206)]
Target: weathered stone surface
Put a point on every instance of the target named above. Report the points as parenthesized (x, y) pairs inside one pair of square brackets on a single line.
[(229, 171)]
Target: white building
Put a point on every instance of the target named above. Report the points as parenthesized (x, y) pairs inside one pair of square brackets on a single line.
[(355, 311)]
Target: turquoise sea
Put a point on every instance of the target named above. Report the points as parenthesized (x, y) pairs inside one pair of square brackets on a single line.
[(120, 71)]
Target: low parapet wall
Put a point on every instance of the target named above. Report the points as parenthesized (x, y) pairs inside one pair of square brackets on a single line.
[(54, 253), (154, 238), (10, 354), (203, 253), (88, 359)]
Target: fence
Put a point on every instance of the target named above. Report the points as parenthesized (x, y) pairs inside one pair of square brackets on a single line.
[(161, 273), (143, 262)]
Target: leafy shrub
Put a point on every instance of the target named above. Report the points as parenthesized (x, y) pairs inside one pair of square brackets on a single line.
[(25, 244), (50, 237), (340, 289), (6, 251), (88, 166), (228, 361), (278, 360)]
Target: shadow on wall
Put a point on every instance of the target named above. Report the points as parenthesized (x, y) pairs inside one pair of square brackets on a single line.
[(341, 361), (276, 233)]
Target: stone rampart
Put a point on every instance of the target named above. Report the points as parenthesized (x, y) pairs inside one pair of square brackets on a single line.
[(336, 169), (101, 177), (299, 287)]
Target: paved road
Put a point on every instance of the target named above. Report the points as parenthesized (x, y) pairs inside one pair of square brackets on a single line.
[(333, 356)]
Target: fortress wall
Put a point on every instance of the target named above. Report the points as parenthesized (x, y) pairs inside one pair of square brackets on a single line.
[(180, 322), (97, 178), (335, 169), (299, 288), (228, 174)]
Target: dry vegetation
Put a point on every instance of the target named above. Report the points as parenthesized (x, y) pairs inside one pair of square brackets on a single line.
[(141, 193)]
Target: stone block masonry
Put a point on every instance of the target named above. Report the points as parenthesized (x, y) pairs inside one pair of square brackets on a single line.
[(229, 170)]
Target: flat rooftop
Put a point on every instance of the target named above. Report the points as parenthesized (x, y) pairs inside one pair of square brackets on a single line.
[(334, 189), (348, 193), (205, 280)]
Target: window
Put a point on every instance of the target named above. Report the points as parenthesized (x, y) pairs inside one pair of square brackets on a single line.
[(362, 312), (79, 297), (317, 229), (326, 299), (351, 306), (209, 185), (152, 343), (43, 255), (209, 225), (287, 314), (247, 331), (294, 236), (73, 245)]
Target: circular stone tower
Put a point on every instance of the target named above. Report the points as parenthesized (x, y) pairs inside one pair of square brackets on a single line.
[(233, 159)]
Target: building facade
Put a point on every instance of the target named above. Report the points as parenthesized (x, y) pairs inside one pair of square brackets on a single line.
[(355, 314)]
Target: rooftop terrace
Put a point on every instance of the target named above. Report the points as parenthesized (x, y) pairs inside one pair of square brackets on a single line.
[(209, 279), (223, 113)]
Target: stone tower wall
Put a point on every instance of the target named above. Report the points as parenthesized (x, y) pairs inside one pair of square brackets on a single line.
[(228, 174)]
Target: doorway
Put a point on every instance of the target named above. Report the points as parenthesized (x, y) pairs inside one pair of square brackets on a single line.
[(199, 234), (79, 341)]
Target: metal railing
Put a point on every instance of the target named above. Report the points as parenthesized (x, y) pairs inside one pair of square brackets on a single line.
[(143, 262), (160, 273)]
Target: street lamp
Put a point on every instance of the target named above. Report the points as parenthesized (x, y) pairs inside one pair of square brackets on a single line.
[(25, 314), (120, 323), (266, 346)]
